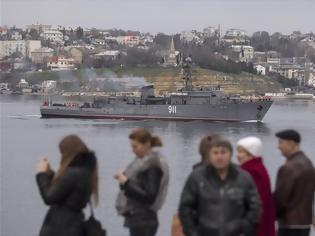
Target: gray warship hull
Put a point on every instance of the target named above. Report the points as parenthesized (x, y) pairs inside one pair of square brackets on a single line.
[(229, 112), (187, 104)]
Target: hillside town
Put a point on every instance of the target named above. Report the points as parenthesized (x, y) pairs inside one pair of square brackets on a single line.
[(38, 48)]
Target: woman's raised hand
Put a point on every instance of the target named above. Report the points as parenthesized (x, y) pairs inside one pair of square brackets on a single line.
[(43, 165), (121, 177)]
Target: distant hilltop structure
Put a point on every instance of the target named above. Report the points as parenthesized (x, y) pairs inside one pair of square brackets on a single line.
[(171, 58)]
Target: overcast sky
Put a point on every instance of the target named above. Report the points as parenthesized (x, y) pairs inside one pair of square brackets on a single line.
[(169, 16)]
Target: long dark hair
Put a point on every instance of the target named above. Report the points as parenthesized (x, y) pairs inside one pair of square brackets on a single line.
[(70, 147), (143, 136)]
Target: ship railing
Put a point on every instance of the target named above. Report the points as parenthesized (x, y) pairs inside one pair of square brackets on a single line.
[(256, 98)]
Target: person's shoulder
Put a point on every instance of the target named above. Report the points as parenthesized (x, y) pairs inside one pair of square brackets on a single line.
[(257, 168), (159, 157), (305, 159), (157, 160), (301, 165), (76, 172), (289, 168), (243, 175), (196, 176), (199, 164), (198, 172), (294, 164)]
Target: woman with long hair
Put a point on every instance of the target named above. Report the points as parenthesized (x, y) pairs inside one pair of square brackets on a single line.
[(143, 185), (69, 190)]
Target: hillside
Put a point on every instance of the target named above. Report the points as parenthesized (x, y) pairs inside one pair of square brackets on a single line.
[(164, 79)]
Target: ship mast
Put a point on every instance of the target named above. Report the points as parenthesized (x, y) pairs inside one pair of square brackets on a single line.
[(187, 74)]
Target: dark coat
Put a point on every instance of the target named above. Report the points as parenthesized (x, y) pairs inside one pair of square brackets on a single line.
[(67, 198), (257, 170), (294, 192), (210, 206), (143, 190)]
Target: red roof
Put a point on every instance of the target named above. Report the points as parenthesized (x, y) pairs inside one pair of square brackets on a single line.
[(53, 59), (130, 34)]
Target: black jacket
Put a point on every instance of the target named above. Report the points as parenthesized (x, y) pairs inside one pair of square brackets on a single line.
[(210, 206), (67, 197), (143, 190)]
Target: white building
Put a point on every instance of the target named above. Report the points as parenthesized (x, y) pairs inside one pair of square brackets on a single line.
[(309, 74), (111, 39), (291, 71), (101, 42), (52, 35), (23, 84), (130, 41), (16, 35), (41, 55), (261, 70), (3, 30), (38, 27), (49, 85), (4, 86), (209, 32), (235, 33), (31, 46), (109, 54), (234, 36), (311, 80), (311, 44), (61, 63), (147, 39), (105, 33), (7, 48), (66, 29), (273, 60), (19, 64), (187, 36), (244, 53)]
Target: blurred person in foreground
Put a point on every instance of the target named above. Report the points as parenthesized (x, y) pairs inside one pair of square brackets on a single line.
[(249, 156), (295, 187), (219, 199), (143, 184), (68, 191), (204, 145)]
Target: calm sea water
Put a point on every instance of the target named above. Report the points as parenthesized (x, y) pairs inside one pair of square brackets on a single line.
[(25, 138)]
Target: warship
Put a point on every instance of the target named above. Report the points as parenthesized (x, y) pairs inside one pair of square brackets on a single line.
[(187, 104)]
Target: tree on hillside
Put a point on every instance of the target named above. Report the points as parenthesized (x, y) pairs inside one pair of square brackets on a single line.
[(285, 82), (204, 58), (287, 47), (162, 40), (139, 57), (261, 41), (34, 34), (79, 33)]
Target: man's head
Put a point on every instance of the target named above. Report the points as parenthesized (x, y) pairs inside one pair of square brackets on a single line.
[(220, 153), (248, 148), (289, 142), (205, 145)]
